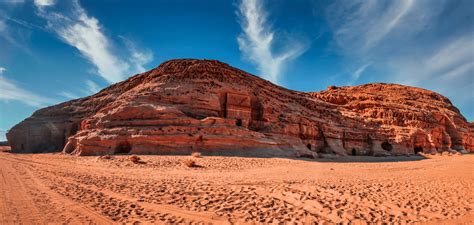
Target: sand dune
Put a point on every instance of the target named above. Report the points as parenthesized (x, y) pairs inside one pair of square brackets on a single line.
[(54, 188)]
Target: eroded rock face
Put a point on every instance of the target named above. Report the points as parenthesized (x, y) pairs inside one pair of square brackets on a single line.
[(184, 106)]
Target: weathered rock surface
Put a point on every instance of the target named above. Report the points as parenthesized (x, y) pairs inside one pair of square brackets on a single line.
[(207, 106)]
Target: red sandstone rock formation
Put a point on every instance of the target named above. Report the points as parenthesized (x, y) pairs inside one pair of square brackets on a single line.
[(186, 106)]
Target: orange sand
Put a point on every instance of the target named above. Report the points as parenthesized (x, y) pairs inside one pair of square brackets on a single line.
[(54, 188)]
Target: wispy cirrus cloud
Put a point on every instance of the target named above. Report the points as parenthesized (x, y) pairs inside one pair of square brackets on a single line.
[(361, 27), (448, 69), (379, 28), (13, 1), (359, 71), (258, 39), (13, 36), (138, 57), (85, 33), (452, 56), (68, 95), (11, 91), (25, 24), (3, 133), (42, 3), (410, 42), (92, 87)]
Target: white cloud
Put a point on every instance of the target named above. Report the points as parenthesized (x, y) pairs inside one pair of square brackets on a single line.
[(12, 92), (452, 54), (138, 58), (388, 22), (2, 70), (410, 42), (13, 1), (356, 75), (92, 87), (368, 26), (85, 33), (68, 95), (42, 3), (458, 72), (449, 69), (3, 136), (257, 40), (24, 24), (3, 26), (13, 36)]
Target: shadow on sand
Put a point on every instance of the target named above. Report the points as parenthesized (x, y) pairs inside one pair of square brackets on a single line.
[(269, 154), (326, 158), (370, 159)]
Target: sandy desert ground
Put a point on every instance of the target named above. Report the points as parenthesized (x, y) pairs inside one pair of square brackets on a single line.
[(55, 188)]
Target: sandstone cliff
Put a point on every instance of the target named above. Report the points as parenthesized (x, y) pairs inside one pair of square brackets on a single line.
[(189, 105)]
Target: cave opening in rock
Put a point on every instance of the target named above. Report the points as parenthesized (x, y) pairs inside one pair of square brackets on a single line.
[(418, 149), (386, 146), (74, 129), (238, 122), (354, 151), (308, 146), (123, 148)]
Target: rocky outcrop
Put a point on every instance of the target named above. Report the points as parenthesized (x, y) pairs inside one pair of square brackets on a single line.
[(207, 106), (412, 119)]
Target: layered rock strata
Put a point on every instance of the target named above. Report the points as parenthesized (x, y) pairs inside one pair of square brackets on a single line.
[(207, 106)]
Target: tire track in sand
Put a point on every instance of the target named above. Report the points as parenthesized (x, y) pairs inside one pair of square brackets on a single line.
[(72, 205), (167, 213), (54, 208), (17, 204), (77, 210)]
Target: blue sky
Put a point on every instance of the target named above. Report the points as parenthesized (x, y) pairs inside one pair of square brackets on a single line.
[(53, 51)]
